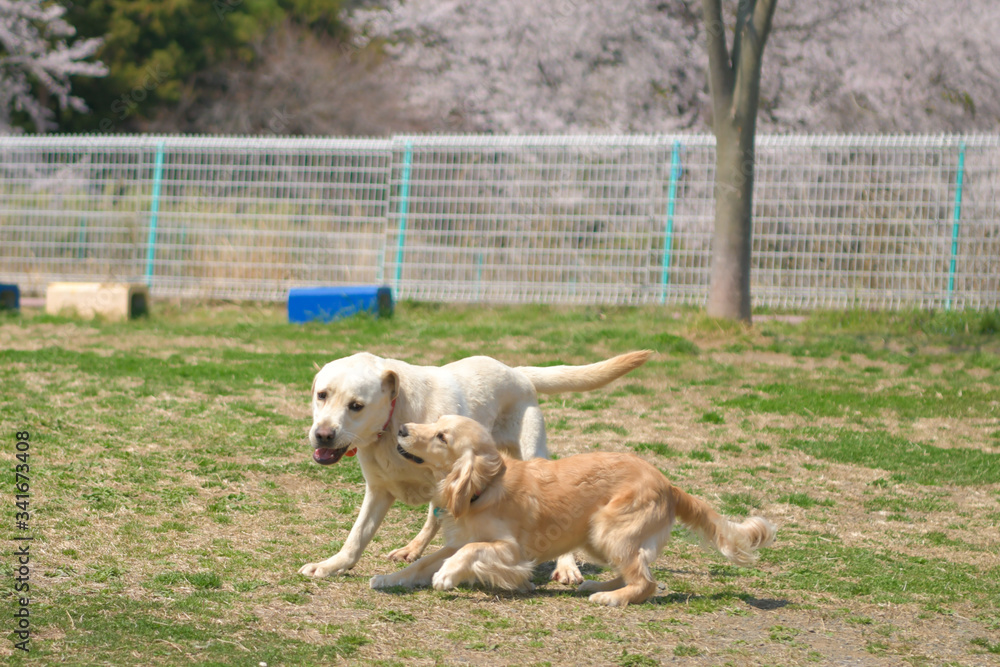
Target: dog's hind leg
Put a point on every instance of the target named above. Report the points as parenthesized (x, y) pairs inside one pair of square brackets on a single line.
[(629, 532), (412, 551), (532, 437), (522, 428), (639, 583), (631, 556)]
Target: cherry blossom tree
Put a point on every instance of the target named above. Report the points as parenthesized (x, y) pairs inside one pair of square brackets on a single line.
[(37, 60), (521, 66)]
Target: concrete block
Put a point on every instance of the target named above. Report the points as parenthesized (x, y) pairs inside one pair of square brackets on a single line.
[(114, 301), (307, 304)]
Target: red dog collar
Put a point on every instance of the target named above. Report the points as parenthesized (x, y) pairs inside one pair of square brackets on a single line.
[(392, 408)]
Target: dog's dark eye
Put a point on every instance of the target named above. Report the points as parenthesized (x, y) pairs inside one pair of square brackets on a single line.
[(355, 406), (320, 395), (440, 436)]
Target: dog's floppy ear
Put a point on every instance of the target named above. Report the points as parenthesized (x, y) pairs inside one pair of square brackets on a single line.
[(470, 475), (457, 486), (390, 382)]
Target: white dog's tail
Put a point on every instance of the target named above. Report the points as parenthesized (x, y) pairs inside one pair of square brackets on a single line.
[(736, 541), (559, 379)]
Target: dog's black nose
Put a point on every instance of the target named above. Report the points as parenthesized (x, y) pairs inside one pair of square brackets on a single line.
[(325, 436), (403, 432)]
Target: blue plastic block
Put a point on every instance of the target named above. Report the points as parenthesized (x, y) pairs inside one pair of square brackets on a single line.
[(10, 297), (307, 304)]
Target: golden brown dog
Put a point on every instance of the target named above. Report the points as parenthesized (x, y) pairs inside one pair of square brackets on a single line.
[(504, 515)]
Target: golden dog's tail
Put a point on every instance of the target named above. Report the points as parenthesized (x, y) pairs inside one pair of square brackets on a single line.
[(736, 541), (559, 379)]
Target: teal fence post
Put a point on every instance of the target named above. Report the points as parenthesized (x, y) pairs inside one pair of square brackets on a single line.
[(154, 214), (479, 275), (404, 207), (956, 220), (668, 240), (81, 238)]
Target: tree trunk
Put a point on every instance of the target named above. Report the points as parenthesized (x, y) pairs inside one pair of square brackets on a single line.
[(729, 290), (735, 84)]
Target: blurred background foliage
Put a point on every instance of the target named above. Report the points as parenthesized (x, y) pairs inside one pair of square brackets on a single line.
[(158, 52), (379, 67)]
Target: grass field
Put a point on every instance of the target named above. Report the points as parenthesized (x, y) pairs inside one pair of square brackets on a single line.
[(173, 495)]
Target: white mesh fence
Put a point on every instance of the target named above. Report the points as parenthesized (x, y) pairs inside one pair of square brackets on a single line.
[(877, 222), (193, 216)]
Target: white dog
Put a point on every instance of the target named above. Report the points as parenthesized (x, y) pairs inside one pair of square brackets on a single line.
[(359, 403)]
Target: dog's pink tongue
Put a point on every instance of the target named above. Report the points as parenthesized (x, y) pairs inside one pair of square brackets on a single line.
[(325, 456)]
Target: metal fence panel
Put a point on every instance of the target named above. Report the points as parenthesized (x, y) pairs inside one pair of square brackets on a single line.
[(193, 216), (839, 221), (514, 219)]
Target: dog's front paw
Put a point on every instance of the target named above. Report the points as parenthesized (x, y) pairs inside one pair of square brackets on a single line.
[(443, 581), (567, 572), (407, 554), (324, 569), (381, 581)]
